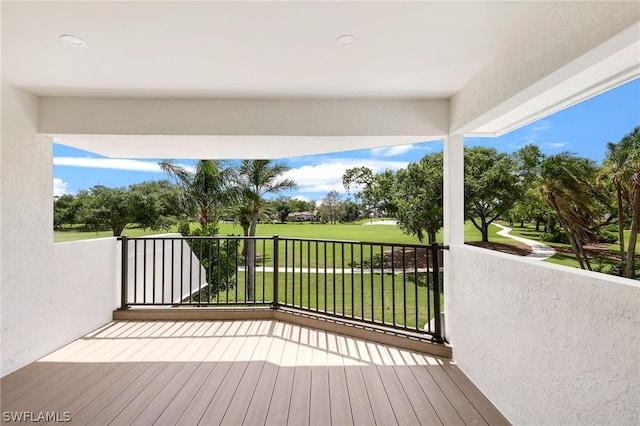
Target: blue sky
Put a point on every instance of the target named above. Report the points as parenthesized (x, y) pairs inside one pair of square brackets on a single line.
[(583, 129)]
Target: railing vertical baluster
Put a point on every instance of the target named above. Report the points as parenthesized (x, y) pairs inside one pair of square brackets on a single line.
[(276, 261), (246, 270), (371, 262), (219, 271), (301, 273), (135, 271), (154, 271), (182, 243), (415, 287), (173, 275), (325, 276), (437, 337), (208, 277), (164, 253), (361, 280), (382, 280), (333, 263), (353, 296), (342, 268), (193, 241), (264, 274), (317, 278), (393, 285), (404, 284), (308, 274), (286, 272), (144, 271), (293, 272), (124, 271)]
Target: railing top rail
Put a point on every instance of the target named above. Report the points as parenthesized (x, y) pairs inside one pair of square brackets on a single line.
[(264, 237)]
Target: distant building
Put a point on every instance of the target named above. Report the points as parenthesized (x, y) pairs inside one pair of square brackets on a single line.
[(303, 216)]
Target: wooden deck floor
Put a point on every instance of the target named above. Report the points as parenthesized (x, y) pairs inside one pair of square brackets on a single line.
[(241, 372)]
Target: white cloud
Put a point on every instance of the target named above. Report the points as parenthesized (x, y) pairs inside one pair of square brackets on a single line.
[(301, 198), (324, 177), (542, 125), (555, 144), (60, 187), (392, 150), (111, 163)]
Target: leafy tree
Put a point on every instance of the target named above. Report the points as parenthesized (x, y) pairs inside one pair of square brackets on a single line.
[(282, 208), (331, 206), (376, 193), (419, 197), (65, 210), (205, 191), (106, 207), (567, 186), (155, 204), (491, 186), (256, 179)]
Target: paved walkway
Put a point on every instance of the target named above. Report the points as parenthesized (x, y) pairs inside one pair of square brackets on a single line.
[(540, 251)]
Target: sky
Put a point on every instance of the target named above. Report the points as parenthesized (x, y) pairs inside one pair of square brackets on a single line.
[(583, 129)]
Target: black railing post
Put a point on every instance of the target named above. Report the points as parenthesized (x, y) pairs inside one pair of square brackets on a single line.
[(124, 267), (437, 336), (276, 260)]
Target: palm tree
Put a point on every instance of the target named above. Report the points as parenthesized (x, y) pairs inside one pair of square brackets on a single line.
[(256, 179), (614, 167), (631, 144), (204, 191), (566, 186), (242, 214)]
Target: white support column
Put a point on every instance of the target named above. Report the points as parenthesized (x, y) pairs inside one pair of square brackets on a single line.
[(453, 204), (453, 190)]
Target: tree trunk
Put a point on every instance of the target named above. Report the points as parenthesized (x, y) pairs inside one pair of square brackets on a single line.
[(620, 220), (250, 259), (485, 231), (630, 266)]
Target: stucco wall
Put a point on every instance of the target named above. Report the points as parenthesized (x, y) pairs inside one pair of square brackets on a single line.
[(547, 344), (26, 219)]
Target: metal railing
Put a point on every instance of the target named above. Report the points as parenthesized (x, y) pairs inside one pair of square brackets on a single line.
[(391, 285)]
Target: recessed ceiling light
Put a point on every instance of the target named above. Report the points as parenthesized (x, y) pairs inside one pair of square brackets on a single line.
[(72, 40), (346, 40)]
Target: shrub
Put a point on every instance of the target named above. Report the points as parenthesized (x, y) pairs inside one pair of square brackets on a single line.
[(555, 236), (606, 236)]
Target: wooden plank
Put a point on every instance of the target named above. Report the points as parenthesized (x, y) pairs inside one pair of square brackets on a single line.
[(488, 411), (447, 414), (91, 404), (320, 400), (465, 409), (418, 400), (171, 413), (150, 390), (300, 402), (281, 397), (237, 409), (259, 404), (358, 397), (338, 390), (71, 376), (229, 348)]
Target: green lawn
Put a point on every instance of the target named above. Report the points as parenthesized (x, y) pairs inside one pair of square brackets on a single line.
[(383, 298), (600, 264)]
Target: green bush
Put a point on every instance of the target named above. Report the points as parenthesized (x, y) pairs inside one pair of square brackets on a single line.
[(556, 236), (217, 257), (606, 236)]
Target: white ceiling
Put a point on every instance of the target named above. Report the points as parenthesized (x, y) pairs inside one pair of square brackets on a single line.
[(212, 79), (257, 49)]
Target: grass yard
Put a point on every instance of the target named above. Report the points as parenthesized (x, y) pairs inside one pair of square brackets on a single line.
[(383, 298)]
